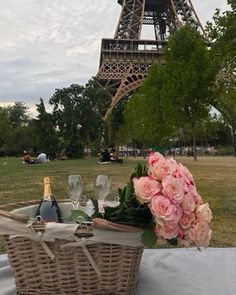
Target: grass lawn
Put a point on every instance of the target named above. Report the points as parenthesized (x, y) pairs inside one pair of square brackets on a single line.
[(215, 178)]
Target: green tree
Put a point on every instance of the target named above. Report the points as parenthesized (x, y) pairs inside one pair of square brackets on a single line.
[(98, 96), (144, 122), (206, 130), (222, 136), (5, 130), (186, 94), (175, 94), (144, 118), (67, 117), (19, 119), (222, 32), (226, 105), (18, 113), (113, 123), (95, 104), (43, 126), (22, 139), (77, 116)]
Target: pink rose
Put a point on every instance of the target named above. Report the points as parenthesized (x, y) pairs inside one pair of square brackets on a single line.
[(173, 188), (162, 208), (183, 172), (179, 213), (159, 170), (204, 213), (154, 157), (198, 199), (193, 191), (167, 231), (146, 188), (188, 203), (184, 238), (200, 234), (187, 219)]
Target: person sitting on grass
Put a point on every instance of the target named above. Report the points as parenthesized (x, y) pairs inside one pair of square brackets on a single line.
[(114, 155), (105, 156), (42, 158), (27, 159)]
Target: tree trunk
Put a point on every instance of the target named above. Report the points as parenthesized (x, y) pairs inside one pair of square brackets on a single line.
[(202, 150), (194, 147), (89, 143), (234, 140)]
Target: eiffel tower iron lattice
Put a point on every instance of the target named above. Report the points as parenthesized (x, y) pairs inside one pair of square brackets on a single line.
[(125, 59)]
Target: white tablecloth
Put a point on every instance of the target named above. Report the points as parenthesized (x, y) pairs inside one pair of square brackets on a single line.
[(170, 272)]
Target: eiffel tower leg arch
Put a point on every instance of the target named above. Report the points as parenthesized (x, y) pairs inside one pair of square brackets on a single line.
[(134, 78)]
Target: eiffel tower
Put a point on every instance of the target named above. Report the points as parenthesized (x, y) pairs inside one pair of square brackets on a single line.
[(125, 59)]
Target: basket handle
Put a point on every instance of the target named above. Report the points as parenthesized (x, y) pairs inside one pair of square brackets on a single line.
[(105, 224), (15, 216)]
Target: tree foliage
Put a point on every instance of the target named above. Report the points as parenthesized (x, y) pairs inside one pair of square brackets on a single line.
[(43, 126), (174, 94), (186, 92), (67, 116), (77, 114), (5, 128), (18, 114), (97, 102), (113, 123), (144, 120), (222, 32), (98, 96)]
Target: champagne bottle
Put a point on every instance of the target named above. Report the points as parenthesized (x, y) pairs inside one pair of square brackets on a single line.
[(48, 208)]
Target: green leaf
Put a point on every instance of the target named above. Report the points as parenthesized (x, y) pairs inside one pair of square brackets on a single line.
[(139, 170), (128, 192), (145, 170), (149, 238), (97, 214), (95, 204), (133, 175), (79, 215), (120, 192), (122, 195), (110, 210)]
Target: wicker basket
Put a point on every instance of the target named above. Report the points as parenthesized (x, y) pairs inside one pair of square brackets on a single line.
[(71, 272)]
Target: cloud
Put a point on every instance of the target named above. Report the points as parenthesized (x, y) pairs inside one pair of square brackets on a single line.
[(205, 9), (5, 104)]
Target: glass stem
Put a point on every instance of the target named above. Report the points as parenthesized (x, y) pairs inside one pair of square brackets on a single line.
[(75, 205)]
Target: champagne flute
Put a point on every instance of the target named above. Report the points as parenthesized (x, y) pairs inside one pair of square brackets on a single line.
[(75, 188), (102, 187)]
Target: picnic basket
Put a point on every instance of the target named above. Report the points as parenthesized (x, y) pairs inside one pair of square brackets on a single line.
[(70, 271)]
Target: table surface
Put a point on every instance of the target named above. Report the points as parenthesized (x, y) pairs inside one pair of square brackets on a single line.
[(170, 272)]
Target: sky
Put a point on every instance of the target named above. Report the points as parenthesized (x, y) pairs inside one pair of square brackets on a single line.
[(49, 44)]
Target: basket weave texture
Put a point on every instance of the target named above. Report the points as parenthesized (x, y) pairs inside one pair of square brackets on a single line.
[(71, 272)]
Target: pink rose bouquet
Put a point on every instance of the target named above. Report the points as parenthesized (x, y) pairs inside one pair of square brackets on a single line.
[(163, 200), (178, 212)]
